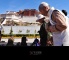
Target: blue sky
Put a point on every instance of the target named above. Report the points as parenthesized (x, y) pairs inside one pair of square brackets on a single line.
[(16, 5)]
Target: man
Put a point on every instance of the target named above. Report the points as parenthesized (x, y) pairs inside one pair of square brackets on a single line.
[(58, 24), (43, 33)]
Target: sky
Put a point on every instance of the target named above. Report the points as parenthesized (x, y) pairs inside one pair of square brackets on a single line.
[(16, 5)]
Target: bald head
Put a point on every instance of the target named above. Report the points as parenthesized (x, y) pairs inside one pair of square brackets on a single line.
[(44, 8), (43, 4)]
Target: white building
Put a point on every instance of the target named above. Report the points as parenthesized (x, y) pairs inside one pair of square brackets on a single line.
[(11, 15)]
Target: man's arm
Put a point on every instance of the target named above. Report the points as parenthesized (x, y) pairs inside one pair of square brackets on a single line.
[(60, 22)]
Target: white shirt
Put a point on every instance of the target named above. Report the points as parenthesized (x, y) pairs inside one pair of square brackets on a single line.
[(60, 38)]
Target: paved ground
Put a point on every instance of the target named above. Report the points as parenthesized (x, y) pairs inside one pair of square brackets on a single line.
[(19, 40), (16, 41)]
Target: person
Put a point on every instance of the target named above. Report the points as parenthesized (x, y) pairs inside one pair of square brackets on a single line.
[(36, 43), (11, 37), (67, 21), (0, 33), (43, 33), (10, 42), (23, 41), (50, 42), (1, 26), (58, 27), (65, 12), (18, 44)]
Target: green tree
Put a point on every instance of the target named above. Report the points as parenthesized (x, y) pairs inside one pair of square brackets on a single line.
[(2, 31), (11, 31), (28, 31), (35, 33), (19, 31)]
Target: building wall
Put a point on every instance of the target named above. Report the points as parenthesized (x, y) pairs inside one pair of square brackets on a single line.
[(27, 15), (29, 12), (21, 29)]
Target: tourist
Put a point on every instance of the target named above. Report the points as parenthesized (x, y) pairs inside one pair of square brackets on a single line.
[(59, 27)]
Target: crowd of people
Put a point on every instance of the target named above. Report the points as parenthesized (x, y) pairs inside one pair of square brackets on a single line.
[(23, 42), (54, 30), (11, 42)]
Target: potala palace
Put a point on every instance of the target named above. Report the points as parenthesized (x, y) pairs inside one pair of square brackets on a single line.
[(21, 18)]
